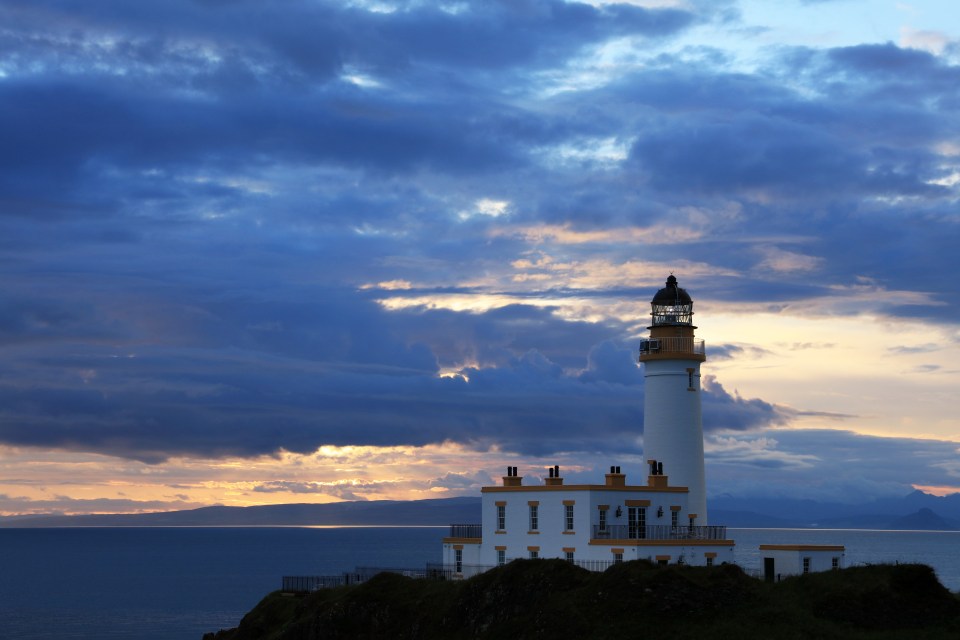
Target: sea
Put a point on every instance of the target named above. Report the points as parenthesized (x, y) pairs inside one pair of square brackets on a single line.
[(158, 583)]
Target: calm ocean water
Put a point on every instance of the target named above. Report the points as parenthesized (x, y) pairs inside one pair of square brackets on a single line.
[(172, 583)]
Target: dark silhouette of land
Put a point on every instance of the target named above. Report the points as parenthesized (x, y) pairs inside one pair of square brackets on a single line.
[(555, 599)]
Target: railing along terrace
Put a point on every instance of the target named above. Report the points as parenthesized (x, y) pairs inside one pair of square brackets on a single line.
[(673, 345), (440, 571), (659, 532), (298, 584), (466, 531)]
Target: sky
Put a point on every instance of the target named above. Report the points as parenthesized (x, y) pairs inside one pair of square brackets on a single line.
[(310, 251)]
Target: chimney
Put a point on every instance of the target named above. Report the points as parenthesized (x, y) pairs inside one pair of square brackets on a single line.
[(554, 479), (512, 479), (656, 479), (615, 478)]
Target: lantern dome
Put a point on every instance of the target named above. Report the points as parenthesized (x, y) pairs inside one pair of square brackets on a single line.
[(672, 305)]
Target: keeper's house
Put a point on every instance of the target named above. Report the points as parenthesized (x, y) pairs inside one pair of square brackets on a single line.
[(593, 526)]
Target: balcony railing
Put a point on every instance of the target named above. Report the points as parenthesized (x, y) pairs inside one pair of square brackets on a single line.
[(653, 346), (466, 531), (658, 532)]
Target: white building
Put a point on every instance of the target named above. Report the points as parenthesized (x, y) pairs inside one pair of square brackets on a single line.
[(672, 424), (782, 560), (591, 525), (596, 525)]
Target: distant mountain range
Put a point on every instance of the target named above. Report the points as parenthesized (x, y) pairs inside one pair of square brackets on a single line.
[(439, 512), (917, 510)]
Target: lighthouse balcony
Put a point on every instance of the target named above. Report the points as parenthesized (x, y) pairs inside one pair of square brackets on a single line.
[(672, 348), (658, 532), (466, 531)]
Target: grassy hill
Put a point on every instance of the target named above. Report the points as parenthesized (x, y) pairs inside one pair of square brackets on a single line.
[(554, 599)]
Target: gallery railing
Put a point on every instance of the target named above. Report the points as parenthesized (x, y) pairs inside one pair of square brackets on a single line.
[(652, 346)]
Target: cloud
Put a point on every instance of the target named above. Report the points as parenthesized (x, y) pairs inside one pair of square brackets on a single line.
[(462, 480), (353, 490), (229, 230), (64, 505), (233, 401)]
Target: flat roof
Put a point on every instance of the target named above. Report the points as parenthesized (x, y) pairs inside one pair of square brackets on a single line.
[(584, 487), (802, 547)]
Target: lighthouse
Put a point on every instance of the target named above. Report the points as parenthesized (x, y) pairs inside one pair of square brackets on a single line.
[(672, 424), (662, 520)]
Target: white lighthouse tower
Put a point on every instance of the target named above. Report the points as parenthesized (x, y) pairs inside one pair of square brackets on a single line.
[(672, 427)]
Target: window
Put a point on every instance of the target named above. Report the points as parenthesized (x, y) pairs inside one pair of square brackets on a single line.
[(806, 565), (534, 525), (458, 560), (617, 558), (603, 520), (709, 562), (534, 554), (568, 555), (636, 522), (501, 517), (501, 557), (690, 379), (835, 563), (674, 518), (568, 517)]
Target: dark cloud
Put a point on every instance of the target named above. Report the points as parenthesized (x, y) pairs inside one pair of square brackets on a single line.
[(231, 401), (722, 411), (193, 193)]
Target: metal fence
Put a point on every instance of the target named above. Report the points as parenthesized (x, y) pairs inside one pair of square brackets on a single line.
[(448, 571), (440, 571), (432, 571), (300, 584)]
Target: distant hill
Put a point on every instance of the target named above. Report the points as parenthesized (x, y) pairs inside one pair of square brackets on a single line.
[(438, 512), (876, 514), (924, 519)]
